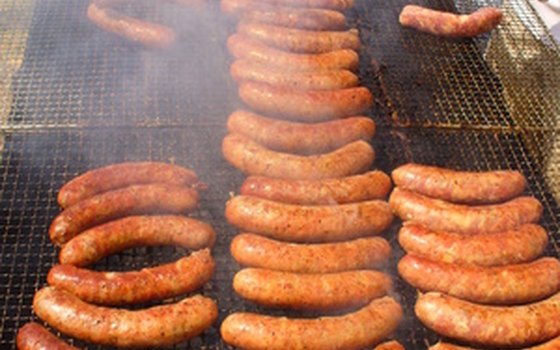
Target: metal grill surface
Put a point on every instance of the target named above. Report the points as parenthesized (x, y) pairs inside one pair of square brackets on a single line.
[(83, 99)]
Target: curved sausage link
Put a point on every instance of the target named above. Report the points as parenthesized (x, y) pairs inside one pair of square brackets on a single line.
[(298, 18), (390, 345), (33, 336), (328, 4), (549, 345)]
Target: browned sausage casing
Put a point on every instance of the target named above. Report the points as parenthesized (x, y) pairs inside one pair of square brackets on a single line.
[(254, 159), (362, 253), (140, 199), (300, 138), (298, 223), (121, 175), (33, 336), (450, 24), (329, 4), (501, 285), (247, 70), (153, 327), (148, 34), (460, 186), (351, 189), (439, 215), (356, 330), (134, 231), (522, 244), (299, 40), (304, 291), (390, 345), (117, 288), (553, 344), (305, 106), (300, 18), (242, 47), (495, 326)]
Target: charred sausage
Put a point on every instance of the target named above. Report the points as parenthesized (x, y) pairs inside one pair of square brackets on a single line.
[(138, 199), (304, 291), (501, 285), (351, 189), (242, 47), (305, 106), (300, 138), (356, 330), (246, 70), (254, 159), (150, 35), (439, 215), (296, 223), (493, 326), (362, 253), (157, 326), (390, 345), (519, 245), (117, 288), (134, 231), (299, 40), (460, 186), (449, 24), (33, 336)]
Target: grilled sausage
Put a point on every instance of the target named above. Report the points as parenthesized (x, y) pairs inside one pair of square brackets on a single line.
[(549, 345), (351, 189), (362, 253), (153, 327), (306, 106), (439, 215), (493, 326), (299, 40), (328, 4), (296, 223), (138, 199), (356, 330), (254, 159), (134, 231), (117, 288), (300, 138), (150, 35), (449, 24), (121, 175), (300, 18), (502, 285), (33, 336), (390, 345), (246, 70), (242, 47), (303, 291), (460, 186), (515, 246)]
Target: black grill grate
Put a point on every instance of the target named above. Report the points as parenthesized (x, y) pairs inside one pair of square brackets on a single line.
[(83, 99)]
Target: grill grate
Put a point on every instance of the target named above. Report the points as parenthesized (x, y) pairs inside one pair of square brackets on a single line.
[(83, 99)]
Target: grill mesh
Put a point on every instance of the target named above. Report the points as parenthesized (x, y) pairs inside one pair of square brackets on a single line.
[(83, 99)]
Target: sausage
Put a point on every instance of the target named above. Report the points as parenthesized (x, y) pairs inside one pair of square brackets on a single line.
[(365, 327), (300, 138), (303, 291), (242, 47), (362, 253), (118, 288), (121, 175), (299, 40), (460, 186), (299, 18), (305, 106), (150, 35), (522, 244), (157, 326), (492, 326), (389, 345), (502, 285), (134, 231), (351, 189), (439, 215), (298, 223), (450, 24), (328, 4), (246, 70), (254, 159), (33, 336), (549, 345), (138, 199)]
